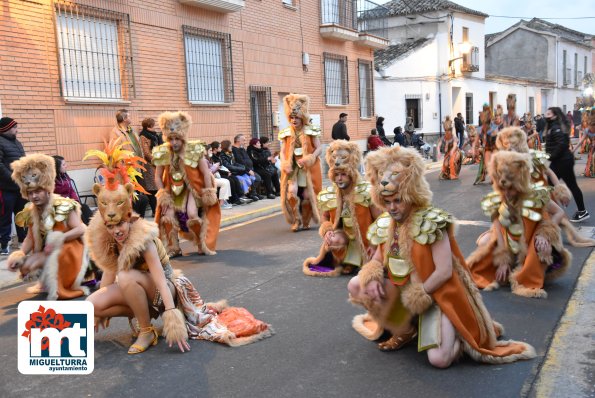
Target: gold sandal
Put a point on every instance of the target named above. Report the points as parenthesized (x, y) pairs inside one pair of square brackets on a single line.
[(137, 348), (397, 342)]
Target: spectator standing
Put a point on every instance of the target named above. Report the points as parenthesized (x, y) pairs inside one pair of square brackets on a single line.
[(409, 130), (125, 131), (11, 201), (339, 131), (460, 129), (65, 187), (380, 130), (241, 156), (149, 139), (557, 145), (540, 126), (374, 142)]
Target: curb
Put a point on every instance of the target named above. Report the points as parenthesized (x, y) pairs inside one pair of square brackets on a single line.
[(250, 215)]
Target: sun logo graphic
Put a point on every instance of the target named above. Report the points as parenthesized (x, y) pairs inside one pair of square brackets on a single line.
[(55, 337)]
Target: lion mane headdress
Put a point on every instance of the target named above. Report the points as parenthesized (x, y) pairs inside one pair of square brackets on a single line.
[(447, 123), (175, 124), (345, 156), (511, 170), (511, 102), (297, 105), (512, 139), (392, 170), (120, 171), (34, 171)]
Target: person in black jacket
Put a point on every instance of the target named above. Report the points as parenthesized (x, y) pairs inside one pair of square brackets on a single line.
[(241, 156), (399, 136), (224, 155), (11, 201), (381, 132), (339, 131), (261, 157), (557, 145), (460, 129)]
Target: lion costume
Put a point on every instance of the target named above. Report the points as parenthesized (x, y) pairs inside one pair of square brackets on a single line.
[(346, 210), (192, 318), (453, 160), (182, 177), (511, 119), (66, 264), (299, 145), (408, 261), (519, 222)]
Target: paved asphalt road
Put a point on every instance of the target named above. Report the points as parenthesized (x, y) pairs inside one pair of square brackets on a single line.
[(315, 352)]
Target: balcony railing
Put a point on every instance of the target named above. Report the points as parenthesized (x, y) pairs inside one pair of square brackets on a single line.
[(471, 61), (372, 18), (338, 12)]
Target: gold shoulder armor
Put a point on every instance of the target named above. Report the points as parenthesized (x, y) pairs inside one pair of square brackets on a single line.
[(378, 230), (63, 207), (286, 132), (195, 150), (428, 225), (312, 130), (362, 194), (23, 217), (327, 199), (490, 203), (161, 155)]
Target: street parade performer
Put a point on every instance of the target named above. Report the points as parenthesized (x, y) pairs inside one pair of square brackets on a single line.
[(511, 119), (449, 146), (301, 176), (588, 141), (418, 251), (474, 154), (187, 198), (526, 249), (53, 249), (138, 280), (346, 213), (514, 139)]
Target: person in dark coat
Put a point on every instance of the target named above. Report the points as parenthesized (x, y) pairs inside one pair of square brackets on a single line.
[(237, 194), (557, 145), (460, 129), (399, 136), (340, 129), (64, 187), (381, 132), (261, 162), (11, 201), (264, 142), (241, 156)]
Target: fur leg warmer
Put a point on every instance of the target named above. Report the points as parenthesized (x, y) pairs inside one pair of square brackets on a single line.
[(415, 298), (16, 260), (373, 270), (164, 199), (174, 326), (562, 194), (208, 196), (50, 276)]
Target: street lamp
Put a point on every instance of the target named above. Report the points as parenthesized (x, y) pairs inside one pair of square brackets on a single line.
[(464, 49)]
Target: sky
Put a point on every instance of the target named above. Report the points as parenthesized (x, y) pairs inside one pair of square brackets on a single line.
[(528, 9)]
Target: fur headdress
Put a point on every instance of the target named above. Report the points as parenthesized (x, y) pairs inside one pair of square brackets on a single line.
[(511, 170), (512, 139), (392, 170), (34, 171), (297, 105), (345, 156), (120, 170), (447, 123), (486, 114), (175, 124), (471, 130), (511, 102)]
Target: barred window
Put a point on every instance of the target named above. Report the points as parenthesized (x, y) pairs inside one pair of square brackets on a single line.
[(261, 112), (366, 89), (469, 108), (94, 53), (335, 79), (208, 66)]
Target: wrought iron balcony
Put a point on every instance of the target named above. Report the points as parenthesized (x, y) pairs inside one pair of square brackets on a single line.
[(372, 23), (471, 61), (217, 5), (338, 19)]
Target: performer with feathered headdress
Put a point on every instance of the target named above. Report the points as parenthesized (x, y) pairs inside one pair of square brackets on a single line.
[(128, 248)]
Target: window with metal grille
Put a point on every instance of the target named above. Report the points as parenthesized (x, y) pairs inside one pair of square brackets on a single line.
[(335, 79), (339, 12), (261, 112), (94, 53), (366, 89), (209, 71), (566, 76), (469, 108)]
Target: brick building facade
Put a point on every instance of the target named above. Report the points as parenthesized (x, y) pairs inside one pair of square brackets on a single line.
[(66, 67)]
